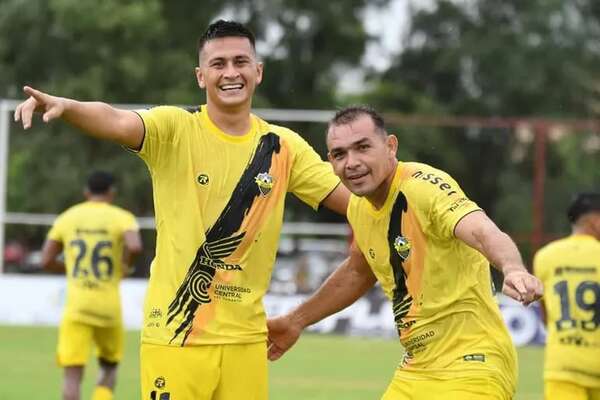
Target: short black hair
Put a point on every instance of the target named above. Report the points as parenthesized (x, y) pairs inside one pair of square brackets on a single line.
[(222, 28), (583, 203), (100, 182), (351, 113)]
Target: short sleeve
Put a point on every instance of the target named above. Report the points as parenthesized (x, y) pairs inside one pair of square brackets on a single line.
[(56, 232), (440, 200), (129, 222), (159, 132), (311, 178)]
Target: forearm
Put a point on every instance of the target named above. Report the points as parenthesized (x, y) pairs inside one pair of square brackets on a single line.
[(479, 232), (502, 252), (128, 259), (341, 289), (103, 121), (55, 266)]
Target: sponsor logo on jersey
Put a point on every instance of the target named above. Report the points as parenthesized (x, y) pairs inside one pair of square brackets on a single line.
[(264, 182), (434, 180), (202, 179), (160, 382), (474, 357), (218, 264)]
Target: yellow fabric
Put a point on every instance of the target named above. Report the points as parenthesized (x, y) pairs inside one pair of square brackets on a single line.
[(75, 340), (219, 202), (561, 390), (102, 393), (220, 372), (570, 271), (441, 292), (474, 387), (92, 238)]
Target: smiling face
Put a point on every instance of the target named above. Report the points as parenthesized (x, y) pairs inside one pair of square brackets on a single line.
[(229, 72), (363, 156)]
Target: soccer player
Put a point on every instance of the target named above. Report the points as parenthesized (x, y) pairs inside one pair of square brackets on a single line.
[(570, 269), (426, 243), (100, 242), (220, 176)]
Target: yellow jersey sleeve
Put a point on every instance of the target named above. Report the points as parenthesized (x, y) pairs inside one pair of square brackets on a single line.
[(159, 132), (311, 178), (57, 232), (440, 203), (129, 223)]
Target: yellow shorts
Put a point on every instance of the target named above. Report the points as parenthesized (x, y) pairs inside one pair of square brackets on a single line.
[(207, 372), (75, 341), (472, 388), (569, 391)]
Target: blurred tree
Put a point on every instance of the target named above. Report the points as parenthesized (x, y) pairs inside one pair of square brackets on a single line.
[(145, 52), (496, 58)]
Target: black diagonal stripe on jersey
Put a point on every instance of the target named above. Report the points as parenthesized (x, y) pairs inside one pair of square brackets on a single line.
[(401, 300), (221, 240)]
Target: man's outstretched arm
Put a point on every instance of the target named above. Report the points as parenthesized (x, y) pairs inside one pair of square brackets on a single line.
[(96, 119), (347, 284), (480, 232)]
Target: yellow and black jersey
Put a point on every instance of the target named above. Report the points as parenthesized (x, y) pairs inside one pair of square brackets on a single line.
[(570, 271), (440, 288), (92, 237), (219, 202)]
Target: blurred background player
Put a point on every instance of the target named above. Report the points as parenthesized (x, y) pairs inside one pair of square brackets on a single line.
[(417, 233), (220, 176), (570, 270), (99, 241)]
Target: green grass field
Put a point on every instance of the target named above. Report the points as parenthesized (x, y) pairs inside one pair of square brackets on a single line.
[(319, 368)]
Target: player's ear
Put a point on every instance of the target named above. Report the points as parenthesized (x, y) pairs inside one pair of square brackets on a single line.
[(392, 144), (259, 72), (200, 77)]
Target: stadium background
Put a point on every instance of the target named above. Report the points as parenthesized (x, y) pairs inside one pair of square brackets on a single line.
[(504, 95)]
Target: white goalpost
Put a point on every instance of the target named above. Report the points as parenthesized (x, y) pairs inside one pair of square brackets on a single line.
[(7, 108)]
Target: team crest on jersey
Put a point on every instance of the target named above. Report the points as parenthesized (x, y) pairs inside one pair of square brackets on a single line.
[(264, 182), (402, 246)]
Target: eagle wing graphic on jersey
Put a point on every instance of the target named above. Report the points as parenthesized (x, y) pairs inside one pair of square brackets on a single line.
[(222, 239)]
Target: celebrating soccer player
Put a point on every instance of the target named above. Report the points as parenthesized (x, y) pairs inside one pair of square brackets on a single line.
[(426, 243), (220, 176)]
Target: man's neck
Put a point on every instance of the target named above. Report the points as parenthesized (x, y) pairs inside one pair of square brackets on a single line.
[(232, 121), (99, 199), (378, 198), (586, 231)]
